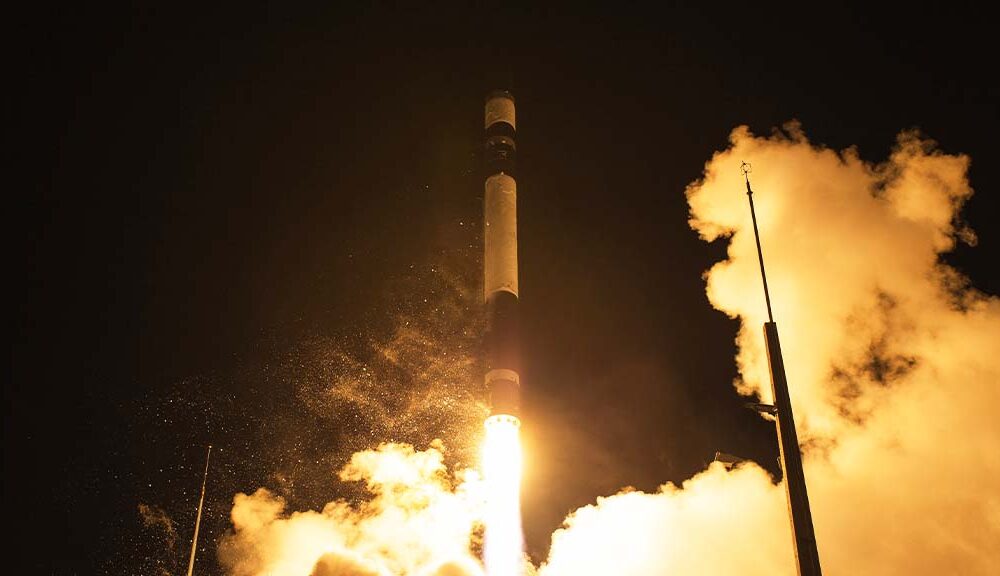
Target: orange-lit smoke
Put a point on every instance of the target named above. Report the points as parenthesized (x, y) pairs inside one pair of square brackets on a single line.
[(893, 364), (420, 520)]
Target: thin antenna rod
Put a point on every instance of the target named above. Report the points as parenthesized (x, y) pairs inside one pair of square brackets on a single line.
[(745, 167), (197, 522)]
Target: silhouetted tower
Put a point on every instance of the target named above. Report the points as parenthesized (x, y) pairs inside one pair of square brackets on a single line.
[(806, 551)]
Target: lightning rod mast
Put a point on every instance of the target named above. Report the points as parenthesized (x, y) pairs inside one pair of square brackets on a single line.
[(197, 522), (806, 551)]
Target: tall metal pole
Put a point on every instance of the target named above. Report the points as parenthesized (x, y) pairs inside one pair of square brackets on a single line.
[(806, 551), (197, 522)]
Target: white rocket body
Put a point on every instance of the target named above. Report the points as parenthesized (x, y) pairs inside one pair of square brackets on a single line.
[(500, 257)]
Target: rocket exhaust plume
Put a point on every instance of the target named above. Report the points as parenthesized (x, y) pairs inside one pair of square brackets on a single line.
[(503, 548)]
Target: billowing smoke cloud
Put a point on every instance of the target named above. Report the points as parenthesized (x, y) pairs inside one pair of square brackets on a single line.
[(703, 527), (418, 520), (893, 363), (894, 368)]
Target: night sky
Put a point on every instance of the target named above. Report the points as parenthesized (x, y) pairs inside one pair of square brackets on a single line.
[(226, 208)]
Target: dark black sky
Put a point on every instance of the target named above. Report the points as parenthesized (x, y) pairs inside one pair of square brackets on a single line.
[(211, 191)]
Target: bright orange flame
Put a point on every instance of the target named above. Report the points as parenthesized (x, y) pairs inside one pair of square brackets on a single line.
[(504, 546)]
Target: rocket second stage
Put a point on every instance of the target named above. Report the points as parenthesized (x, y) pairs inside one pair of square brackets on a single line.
[(500, 258)]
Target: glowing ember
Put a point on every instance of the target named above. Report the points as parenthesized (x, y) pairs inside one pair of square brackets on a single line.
[(503, 554)]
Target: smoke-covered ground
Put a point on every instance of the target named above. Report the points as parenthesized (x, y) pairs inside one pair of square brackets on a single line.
[(892, 358)]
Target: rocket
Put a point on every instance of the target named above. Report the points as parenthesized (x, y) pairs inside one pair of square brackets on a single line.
[(502, 340)]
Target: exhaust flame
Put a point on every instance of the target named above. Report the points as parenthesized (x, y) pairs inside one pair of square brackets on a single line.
[(504, 545)]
